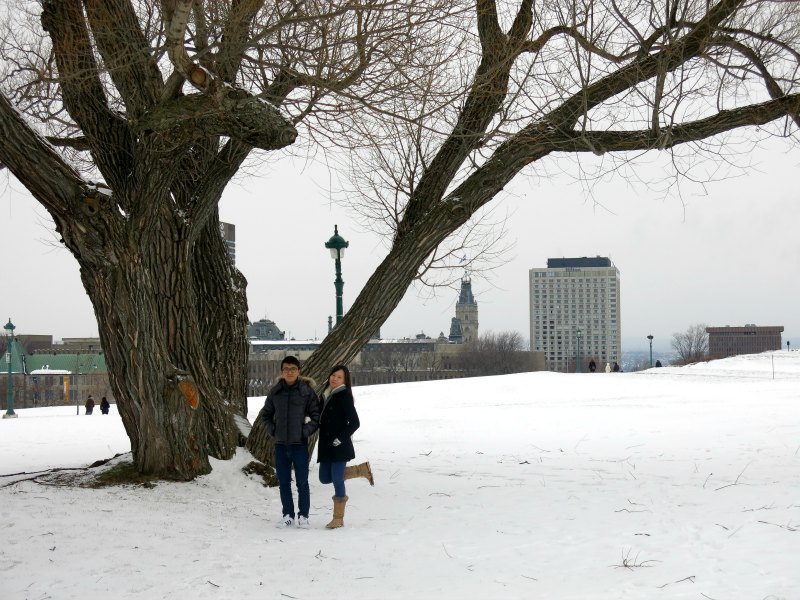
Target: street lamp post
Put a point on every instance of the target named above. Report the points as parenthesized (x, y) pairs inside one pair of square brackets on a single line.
[(578, 359), (336, 245), (9, 414), (650, 337), (75, 379)]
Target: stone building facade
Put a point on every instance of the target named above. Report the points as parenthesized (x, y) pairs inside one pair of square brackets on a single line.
[(748, 339)]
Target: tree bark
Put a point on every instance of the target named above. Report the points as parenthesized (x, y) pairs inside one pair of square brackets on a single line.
[(171, 308), (177, 380)]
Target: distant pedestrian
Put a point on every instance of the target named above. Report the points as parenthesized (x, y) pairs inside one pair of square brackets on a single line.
[(608, 367), (89, 405), (104, 406), (658, 363), (616, 367), (592, 366)]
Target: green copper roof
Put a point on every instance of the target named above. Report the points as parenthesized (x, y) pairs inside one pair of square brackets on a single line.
[(74, 363)]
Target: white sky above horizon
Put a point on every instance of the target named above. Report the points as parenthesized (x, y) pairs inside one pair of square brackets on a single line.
[(726, 253)]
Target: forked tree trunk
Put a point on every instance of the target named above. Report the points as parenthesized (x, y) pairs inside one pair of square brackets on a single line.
[(171, 308), (171, 327)]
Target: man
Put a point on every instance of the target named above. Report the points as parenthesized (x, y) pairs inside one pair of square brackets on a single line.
[(291, 415), (89, 405)]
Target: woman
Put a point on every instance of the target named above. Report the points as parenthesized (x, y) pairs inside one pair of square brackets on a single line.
[(338, 421)]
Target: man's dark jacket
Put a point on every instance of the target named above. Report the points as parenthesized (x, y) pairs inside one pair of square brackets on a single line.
[(291, 412)]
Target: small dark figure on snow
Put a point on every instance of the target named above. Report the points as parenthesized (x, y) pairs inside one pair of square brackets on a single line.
[(658, 363), (592, 366), (104, 406), (616, 367), (89, 405)]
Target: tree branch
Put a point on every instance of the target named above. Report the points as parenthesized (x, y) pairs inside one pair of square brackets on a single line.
[(645, 67), (76, 143), (236, 37), (36, 164), (108, 136), (221, 109), (535, 46), (487, 92), (772, 86), (649, 139), (538, 141), (235, 114), (176, 15), (522, 22), (84, 213), (125, 52), (213, 182)]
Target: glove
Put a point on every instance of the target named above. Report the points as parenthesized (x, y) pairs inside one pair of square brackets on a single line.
[(336, 442)]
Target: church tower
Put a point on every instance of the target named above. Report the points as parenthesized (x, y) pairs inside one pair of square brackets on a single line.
[(467, 312)]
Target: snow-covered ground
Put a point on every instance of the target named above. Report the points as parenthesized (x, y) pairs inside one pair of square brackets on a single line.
[(669, 483)]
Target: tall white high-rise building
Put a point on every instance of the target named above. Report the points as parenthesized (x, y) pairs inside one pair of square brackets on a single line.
[(575, 313)]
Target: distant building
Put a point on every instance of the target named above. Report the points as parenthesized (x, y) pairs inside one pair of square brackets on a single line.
[(30, 343), (575, 312), (464, 326), (61, 374), (421, 358), (750, 339), (264, 330), (456, 334), (228, 232), (75, 345)]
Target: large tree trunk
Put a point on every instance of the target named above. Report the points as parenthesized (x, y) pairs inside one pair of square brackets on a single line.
[(175, 350)]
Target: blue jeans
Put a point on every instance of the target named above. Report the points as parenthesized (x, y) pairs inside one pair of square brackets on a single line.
[(287, 456), (333, 472)]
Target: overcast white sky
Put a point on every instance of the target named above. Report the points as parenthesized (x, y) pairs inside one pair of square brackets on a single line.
[(726, 254)]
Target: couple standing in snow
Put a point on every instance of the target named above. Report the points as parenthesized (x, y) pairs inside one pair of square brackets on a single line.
[(291, 413)]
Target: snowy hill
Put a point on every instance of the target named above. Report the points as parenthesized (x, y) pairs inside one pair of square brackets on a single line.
[(668, 483)]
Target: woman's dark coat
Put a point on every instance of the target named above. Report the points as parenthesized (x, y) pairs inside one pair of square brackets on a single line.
[(339, 420)]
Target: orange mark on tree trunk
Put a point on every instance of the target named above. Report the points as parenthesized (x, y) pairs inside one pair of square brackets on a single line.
[(190, 392)]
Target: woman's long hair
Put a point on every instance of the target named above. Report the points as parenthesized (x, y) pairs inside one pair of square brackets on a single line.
[(346, 376)]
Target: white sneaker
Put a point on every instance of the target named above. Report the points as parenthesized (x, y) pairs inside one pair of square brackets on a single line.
[(284, 523), (302, 522)]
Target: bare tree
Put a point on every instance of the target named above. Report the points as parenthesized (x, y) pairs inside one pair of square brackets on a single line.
[(691, 345), (126, 119), (394, 360), (524, 84), (496, 354)]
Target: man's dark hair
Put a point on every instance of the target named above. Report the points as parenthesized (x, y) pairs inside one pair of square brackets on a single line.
[(290, 360)]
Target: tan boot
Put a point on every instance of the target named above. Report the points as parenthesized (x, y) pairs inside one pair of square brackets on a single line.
[(362, 470), (339, 503)]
